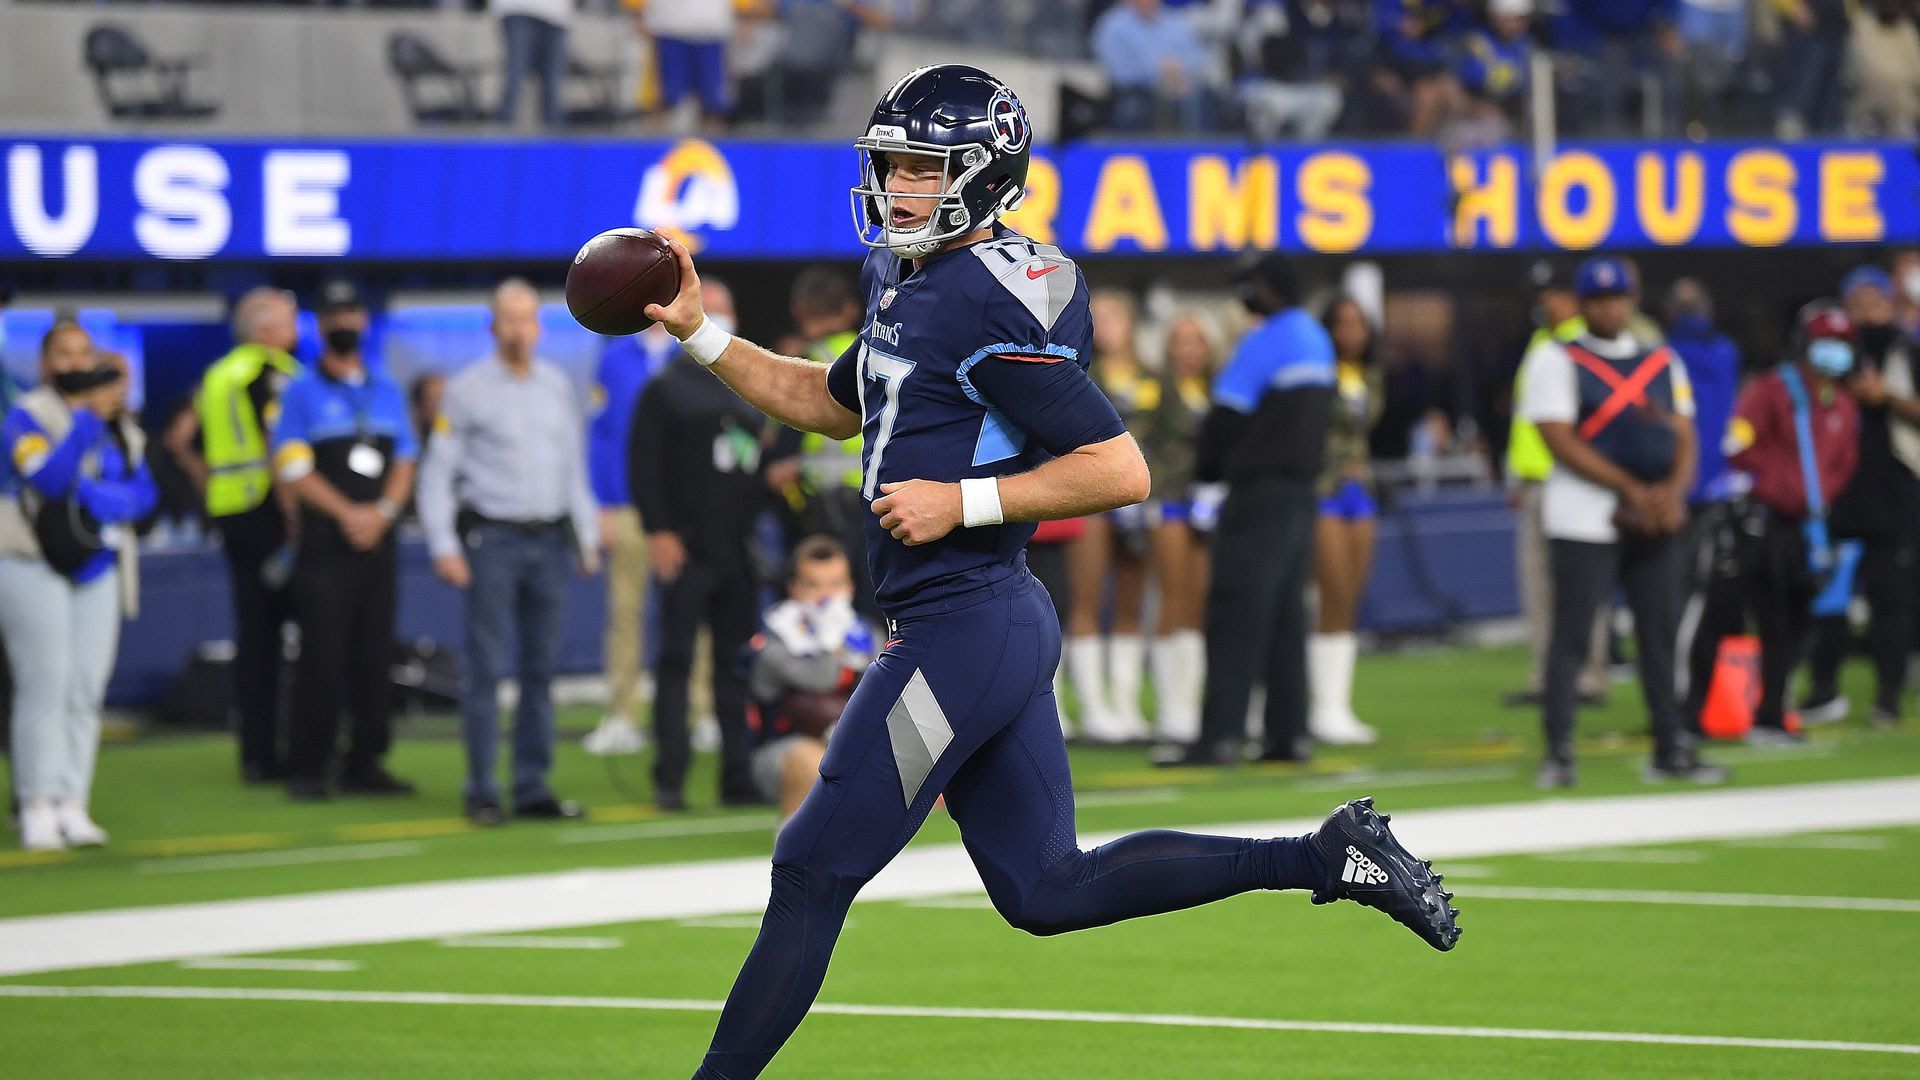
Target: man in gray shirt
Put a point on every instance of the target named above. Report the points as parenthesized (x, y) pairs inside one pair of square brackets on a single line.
[(504, 500)]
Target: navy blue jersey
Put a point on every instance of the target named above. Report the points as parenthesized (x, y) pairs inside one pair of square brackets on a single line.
[(973, 365)]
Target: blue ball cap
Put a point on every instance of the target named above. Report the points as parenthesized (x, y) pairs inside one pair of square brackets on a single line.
[(1865, 277), (1602, 275)]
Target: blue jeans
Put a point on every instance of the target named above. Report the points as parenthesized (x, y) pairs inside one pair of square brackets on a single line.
[(540, 46), (518, 595)]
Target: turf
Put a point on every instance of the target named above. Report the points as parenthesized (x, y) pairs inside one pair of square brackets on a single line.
[(1695, 970)]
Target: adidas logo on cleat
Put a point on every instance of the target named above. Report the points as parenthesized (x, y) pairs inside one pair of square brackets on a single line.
[(1361, 870)]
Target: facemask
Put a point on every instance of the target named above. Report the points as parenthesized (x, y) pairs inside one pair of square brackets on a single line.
[(342, 340), (1692, 324), (1876, 340), (79, 382), (1830, 357)]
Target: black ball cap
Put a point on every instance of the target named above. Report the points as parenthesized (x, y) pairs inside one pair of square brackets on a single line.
[(339, 295), (1549, 276), (1273, 268)]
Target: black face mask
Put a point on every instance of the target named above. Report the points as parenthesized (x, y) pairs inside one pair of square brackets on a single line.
[(79, 382), (342, 340), (1876, 340)]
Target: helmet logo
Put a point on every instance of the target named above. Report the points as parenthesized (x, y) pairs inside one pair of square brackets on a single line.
[(1009, 121)]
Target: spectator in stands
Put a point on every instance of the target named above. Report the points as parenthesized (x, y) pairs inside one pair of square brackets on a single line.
[(1266, 435), (506, 507), (534, 33), (1413, 39), (1529, 463), (1182, 516), (256, 518), (804, 666), (1813, 52), (1288, 58), (1344, 531), (1156, 68), (816, 38), (68, 572), (1495, 66), (1624, 459), (1715, 37), (1764, 558), (1885, 70), (1112, 551), (695, 469), (1881, 508), (1713, 368), (1625, 45), (690, 39), (344, 446), (1905, 273), (626, 366), (823, 479)]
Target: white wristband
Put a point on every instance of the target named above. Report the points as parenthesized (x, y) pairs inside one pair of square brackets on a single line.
[(707, 342), (980, 501)]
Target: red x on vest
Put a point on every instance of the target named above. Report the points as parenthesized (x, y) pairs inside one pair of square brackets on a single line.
[(1627, 390)]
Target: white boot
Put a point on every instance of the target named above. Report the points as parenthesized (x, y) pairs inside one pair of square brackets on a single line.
[(1192, 650), (1086, 667), (615, 735), (1330, 660), (706, 734), (39, 828), (1128, 663), (78, 829), (1176, 715)]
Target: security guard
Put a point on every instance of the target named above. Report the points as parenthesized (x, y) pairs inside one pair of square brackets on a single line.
[(222, 444), (827, 313), (345, 448)]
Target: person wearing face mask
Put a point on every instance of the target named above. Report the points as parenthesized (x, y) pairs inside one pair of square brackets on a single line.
[(696, 464), (804, 668), (1880, 509), (1617, 416), (345, 447), (1266, 436), (1794, 437), (68, 572)]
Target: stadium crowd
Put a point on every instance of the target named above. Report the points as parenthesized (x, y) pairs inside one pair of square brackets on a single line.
[(1775, 492), (1461, 71)]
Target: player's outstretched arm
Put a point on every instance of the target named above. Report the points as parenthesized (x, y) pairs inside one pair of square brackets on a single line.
[(1092, 479), (789, 389)]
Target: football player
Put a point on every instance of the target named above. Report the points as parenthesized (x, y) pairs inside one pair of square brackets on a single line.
[(969, 383)]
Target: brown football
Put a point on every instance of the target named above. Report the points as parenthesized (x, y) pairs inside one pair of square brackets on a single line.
[(616, 275)]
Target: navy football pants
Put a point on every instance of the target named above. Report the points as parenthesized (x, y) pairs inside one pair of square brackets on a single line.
[(961, 703)]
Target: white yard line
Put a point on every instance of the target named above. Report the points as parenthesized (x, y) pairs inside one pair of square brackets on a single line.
[(266, 963), (551, 901), (1245, 1023), (295, 857), (659, 830), (1691, 899), (531, 942)]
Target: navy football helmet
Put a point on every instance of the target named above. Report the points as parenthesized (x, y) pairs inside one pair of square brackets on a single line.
[(974, 124)]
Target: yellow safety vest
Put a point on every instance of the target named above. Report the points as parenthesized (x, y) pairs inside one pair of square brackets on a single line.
[(824, 459), (1527, 455), (234, 437)]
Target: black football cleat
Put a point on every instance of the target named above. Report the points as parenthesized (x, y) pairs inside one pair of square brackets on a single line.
[(1366, 865)]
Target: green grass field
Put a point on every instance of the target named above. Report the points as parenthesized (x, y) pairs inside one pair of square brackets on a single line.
[(1755, 944)]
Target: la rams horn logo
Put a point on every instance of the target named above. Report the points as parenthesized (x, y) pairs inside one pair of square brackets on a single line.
[(1010, 132)]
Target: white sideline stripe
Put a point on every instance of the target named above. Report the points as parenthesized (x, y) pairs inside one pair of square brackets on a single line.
[(296, 857), (1337, 1027), (597, 897), (660, 830), (531, 942), (1615, 855), (263, 963), (1364, 778), (1701, 899)]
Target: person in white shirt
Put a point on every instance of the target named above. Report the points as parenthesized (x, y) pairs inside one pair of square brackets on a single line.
[(1617, 416)]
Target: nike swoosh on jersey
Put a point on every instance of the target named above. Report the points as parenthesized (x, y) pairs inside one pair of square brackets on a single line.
[(1036, 275)]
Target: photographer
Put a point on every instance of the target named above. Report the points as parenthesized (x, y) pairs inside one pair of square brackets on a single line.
[(68, 568)]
